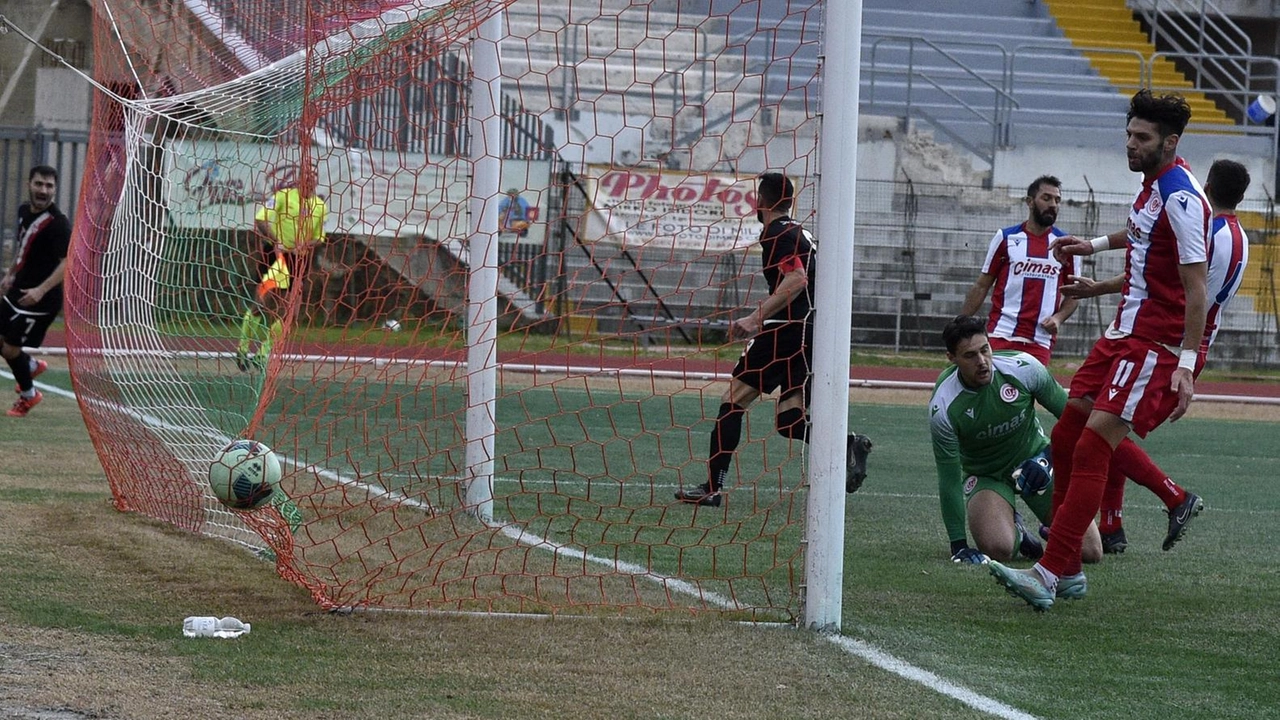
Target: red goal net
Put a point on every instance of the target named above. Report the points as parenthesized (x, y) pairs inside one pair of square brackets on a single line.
[(286, 233)]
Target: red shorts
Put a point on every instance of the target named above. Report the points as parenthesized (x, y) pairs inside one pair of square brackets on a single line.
[(1036, 351), (1130, 378)]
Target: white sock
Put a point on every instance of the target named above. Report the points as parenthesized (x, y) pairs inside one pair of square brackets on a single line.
[(1050, 580), (29, 394), (34, 364)]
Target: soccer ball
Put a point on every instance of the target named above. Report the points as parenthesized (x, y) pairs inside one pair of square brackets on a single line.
[(244, 475), (392, 325)]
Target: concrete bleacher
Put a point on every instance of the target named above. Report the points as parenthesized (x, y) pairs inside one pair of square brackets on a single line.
[(949, 69), (961, 56)]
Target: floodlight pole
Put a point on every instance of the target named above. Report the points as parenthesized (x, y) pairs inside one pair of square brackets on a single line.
[(833, 298), (482, 285)]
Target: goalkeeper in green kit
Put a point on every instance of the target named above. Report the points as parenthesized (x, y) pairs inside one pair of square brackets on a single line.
[(990, 448)]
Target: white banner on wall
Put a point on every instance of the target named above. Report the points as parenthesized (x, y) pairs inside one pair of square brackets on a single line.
[(219, 185), (649, 207)]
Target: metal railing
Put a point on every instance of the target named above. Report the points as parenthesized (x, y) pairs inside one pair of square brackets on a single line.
[(1041, 50), (1194, 30), (573, 47), (1002, 101)]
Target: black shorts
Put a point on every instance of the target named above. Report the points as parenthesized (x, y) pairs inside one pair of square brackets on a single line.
[(778, 358), (21, 327)]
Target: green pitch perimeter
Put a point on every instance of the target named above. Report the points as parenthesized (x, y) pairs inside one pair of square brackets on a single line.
[(1189, 633)]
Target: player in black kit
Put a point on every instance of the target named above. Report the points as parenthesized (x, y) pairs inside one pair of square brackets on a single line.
[(780, 346), (32, 288)]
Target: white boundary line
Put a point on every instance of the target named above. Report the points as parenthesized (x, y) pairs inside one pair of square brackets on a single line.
[(851, 646), (906, 670)]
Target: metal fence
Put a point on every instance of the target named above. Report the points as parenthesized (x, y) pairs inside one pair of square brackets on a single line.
[(918, 248)]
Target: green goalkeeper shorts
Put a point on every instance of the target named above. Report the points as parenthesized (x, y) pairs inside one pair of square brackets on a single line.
[(1040, 505)]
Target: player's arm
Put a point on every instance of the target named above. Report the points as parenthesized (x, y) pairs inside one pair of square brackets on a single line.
[(1041, 384), (977, 294), (1079, 286), (1189, 218), (1069, 245), (32, 296), (794, 281), (1193, 276), (946, 457), (995, 259), (1053, 323)]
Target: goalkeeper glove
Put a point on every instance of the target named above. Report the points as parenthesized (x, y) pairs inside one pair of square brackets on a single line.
[(962, 553), (1033, 476)]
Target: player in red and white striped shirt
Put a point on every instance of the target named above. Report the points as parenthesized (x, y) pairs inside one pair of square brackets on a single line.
[(1140, 373), (1228, 255), (1027, 308)]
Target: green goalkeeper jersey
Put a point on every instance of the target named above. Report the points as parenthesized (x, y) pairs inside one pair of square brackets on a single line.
[(988, 432)]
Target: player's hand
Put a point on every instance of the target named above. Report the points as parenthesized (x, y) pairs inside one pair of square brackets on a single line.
[(1051, 324), (30, 297), (1079, 286), (969, 556), (1033, 476), (1065, 247), (744, 328), (1183, 384), (5, 283)]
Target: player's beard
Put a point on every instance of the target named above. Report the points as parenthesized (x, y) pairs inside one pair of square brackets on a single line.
[(1146, 163), (1045, 218)]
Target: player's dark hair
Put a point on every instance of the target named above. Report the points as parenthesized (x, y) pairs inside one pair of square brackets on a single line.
[(1226, 184), (775, 192), (1170, 112), (42, 170), (961, 328), (1034, 188)]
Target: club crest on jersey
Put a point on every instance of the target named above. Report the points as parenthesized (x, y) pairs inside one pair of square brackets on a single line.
[(970, 483), (1008, 393), (1154, 204)]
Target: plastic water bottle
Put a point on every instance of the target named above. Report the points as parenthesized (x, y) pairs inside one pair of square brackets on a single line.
[(227, 627)]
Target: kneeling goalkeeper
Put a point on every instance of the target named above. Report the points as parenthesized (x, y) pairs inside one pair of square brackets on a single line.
[(989, 446)]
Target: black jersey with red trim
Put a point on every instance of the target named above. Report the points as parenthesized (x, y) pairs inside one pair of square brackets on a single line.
[(43, 239), (786, 246)]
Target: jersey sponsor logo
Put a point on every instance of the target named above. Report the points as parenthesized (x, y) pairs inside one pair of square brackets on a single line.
[(1036, 269), (1008, 393), (1135, 232), (1007, 427), (970, 483)]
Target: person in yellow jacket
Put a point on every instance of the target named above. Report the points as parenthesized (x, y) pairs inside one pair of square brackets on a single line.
[(289, 226)]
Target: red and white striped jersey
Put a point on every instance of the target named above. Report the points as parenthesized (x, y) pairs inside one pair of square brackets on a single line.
[(1168, 227), (1027, 280), (1228, 256)]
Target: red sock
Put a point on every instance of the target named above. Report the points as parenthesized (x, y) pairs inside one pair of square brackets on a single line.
[(1112, 499), (1063, 439), (1135, 463), (1088, 481)]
